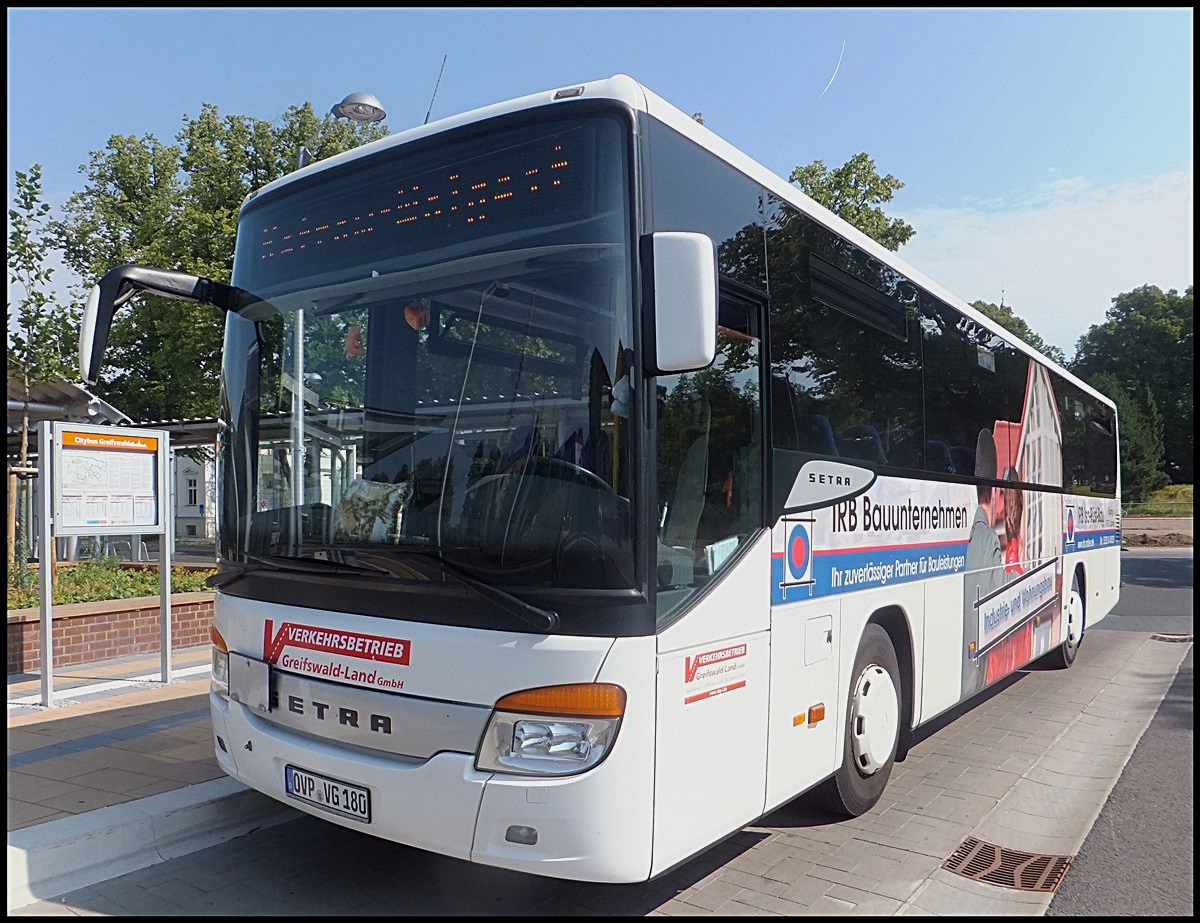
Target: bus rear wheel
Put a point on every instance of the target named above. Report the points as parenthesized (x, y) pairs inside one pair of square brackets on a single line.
[(1064, 655), (872, 730)]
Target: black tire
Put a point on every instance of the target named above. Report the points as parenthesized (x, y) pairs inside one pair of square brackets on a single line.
[(869, 741), (1076, 618)]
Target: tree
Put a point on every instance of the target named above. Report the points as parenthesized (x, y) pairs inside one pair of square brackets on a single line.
[(853, 192), (132, 212), (1146, 342), (177, 205), (1141, 438), (1004, 316), (41, 335)]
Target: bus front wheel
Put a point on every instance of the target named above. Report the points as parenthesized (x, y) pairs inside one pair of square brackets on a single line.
[(871, 732)]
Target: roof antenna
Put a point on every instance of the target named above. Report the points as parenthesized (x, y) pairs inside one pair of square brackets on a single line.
[(435, 89)]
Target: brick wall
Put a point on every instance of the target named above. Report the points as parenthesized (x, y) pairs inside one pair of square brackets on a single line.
[(87, 632)]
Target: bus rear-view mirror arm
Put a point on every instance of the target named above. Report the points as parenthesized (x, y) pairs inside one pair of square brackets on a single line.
[(122, 283)]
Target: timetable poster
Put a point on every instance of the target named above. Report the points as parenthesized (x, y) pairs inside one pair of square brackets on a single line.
[(107, 480)]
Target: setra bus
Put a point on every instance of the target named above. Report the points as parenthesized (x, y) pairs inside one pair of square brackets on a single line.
[(587, 492)]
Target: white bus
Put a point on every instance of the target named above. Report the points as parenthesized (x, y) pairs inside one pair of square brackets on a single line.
[(586, 492)]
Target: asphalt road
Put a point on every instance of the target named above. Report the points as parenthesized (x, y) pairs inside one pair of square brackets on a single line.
[(1138, 858)]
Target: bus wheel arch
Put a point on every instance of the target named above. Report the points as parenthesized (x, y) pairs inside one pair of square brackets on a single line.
[(874, 718), (893, 620)]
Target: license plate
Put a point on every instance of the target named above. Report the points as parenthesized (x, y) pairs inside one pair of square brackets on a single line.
[(334, 795)]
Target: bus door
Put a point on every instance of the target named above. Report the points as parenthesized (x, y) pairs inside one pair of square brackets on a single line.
[(712, 592)]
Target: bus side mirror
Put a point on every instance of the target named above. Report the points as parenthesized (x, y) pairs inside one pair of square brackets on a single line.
[(679, 269)]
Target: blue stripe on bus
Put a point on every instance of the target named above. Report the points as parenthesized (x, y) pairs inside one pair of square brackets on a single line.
[(843, 571), (1094, 538)]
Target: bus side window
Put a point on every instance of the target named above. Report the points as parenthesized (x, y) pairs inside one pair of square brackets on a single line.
[(709, 459)]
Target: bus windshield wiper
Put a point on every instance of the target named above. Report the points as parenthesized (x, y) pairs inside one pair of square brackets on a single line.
[(545, 619)]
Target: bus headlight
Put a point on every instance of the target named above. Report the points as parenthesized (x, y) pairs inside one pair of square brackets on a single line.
[(553, 730), (220, 663)]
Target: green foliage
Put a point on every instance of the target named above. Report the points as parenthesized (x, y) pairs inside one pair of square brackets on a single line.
[(177, 206), (1172, 500), (1146, 343), (1175, 494), (42, 335), (106, 578), (1140, 432), (853, 192)]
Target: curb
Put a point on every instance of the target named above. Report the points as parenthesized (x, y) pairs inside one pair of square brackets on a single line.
[(51, 859)]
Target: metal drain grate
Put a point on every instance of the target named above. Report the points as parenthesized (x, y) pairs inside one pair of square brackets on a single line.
[(1175, 638), (1007, 868)]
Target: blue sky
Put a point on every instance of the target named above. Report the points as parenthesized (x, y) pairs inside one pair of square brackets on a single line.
[(1046, 154)]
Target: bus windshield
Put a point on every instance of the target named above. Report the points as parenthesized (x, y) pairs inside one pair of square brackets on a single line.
[(434, 365)]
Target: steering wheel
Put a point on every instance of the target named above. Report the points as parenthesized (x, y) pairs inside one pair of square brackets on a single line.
[(560, 469), (523, 503)]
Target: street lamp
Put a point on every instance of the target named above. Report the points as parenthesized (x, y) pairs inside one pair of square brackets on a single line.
[(360, 107), (357, 107)]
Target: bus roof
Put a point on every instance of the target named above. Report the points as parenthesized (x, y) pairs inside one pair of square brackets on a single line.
[(625, 89)]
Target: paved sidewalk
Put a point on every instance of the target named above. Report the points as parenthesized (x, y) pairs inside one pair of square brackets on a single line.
[(120, 776), (117, 775)]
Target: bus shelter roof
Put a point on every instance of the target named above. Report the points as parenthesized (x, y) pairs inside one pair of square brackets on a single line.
[(58, 400)]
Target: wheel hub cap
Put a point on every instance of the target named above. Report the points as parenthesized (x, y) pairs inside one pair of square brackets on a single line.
[(875, 719), (1074, 607)]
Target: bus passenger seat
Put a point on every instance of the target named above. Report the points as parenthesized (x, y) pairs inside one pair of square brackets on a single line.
[(862, 442), (815, 434), (937, 457), (963, 459)]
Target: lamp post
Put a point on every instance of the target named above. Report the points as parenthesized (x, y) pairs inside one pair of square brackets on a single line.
[(357, 107)]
